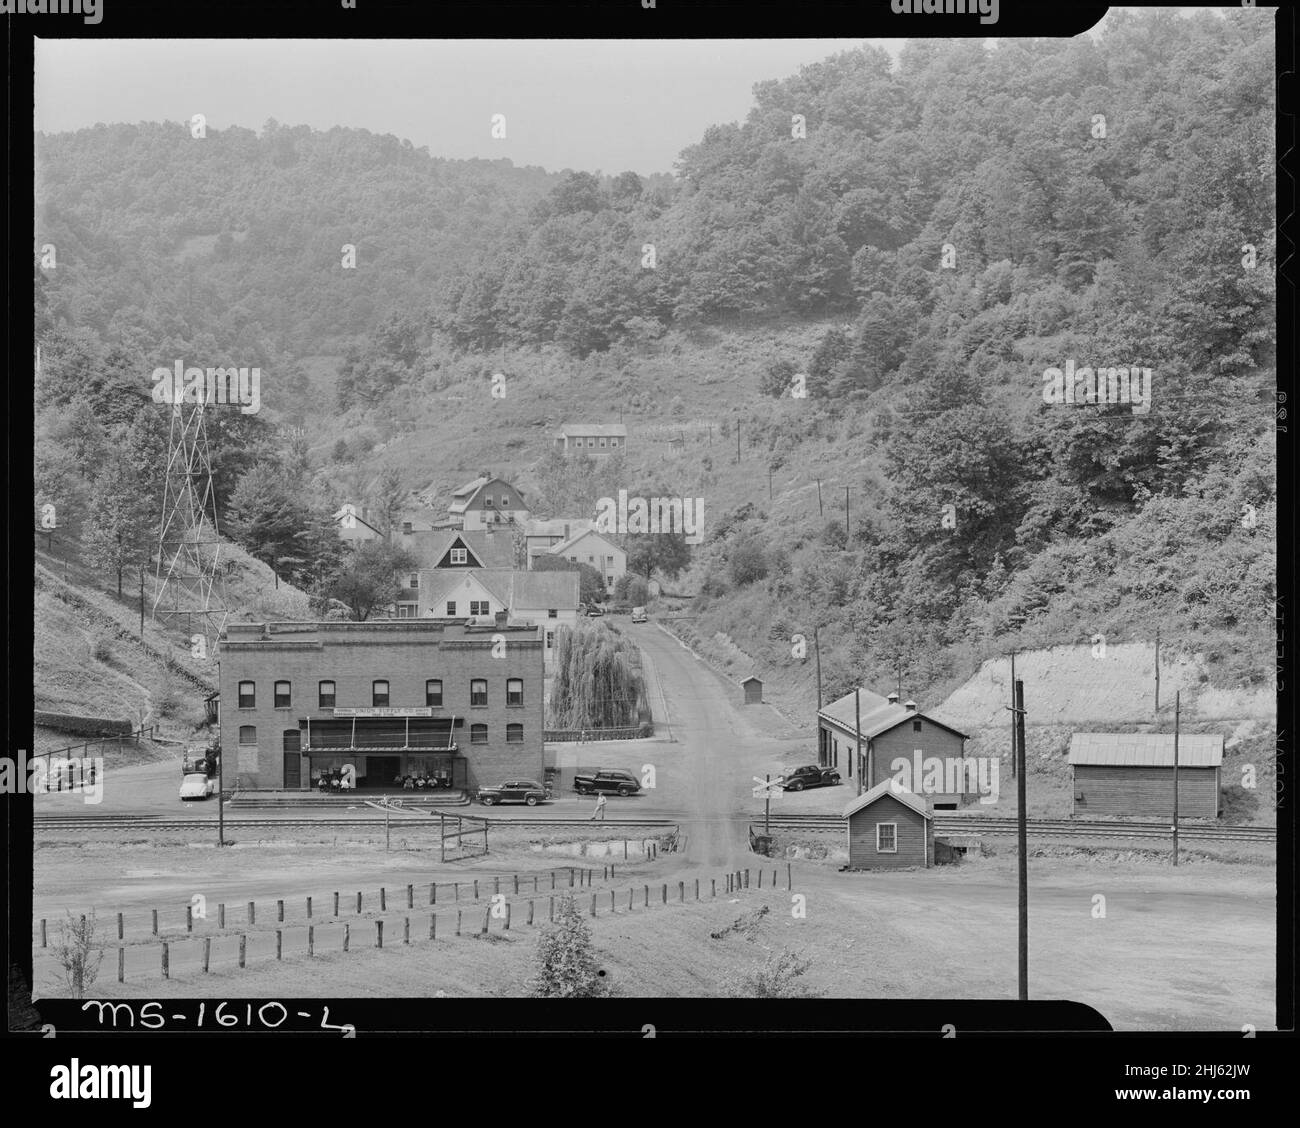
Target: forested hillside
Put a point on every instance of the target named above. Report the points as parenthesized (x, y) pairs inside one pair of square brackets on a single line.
[(912, 245)]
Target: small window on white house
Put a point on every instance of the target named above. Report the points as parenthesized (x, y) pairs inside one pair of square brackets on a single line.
[(487, 503), (505, 501), (406, 527), (887, 838), (451, 608), (613, 442), (458, 556), (552, 613), (413, 580), (602, 442)]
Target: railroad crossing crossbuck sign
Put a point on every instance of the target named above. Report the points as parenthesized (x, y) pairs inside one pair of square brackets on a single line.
[(766, 789)]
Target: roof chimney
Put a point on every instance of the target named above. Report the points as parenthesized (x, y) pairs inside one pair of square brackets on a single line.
[(909, 705), (892, 698)]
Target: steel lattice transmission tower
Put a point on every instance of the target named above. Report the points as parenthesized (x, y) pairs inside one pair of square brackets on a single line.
[(190, 579)]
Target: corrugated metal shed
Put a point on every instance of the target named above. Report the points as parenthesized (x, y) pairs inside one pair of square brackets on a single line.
[(1145, 749)]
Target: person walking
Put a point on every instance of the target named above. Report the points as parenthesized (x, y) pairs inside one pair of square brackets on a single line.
[(600, 808)]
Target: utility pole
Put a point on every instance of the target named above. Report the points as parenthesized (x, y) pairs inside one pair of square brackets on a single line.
[(142, 603), (857, 729), (817, 650), (1177, 695), (1157, 669), (1014, 767), (846, 518), (221, 770), (820, 511), (1022, 845)]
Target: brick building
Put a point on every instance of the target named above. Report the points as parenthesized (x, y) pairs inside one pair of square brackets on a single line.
[(392, 697)]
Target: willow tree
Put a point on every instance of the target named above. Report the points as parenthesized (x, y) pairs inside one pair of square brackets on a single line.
[(598, 679)]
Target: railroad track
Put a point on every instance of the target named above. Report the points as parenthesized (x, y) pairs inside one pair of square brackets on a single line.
[(1047, 828), (46, 823)]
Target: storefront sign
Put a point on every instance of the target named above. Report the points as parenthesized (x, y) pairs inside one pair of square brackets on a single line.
[(384, 711)]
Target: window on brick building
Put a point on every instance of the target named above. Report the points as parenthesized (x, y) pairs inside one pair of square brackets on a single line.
[(514, 691), (478, 691), (283, 695), (514, 734), (478, 734), (433, 692), (327, 695), (248, 695), (247, 734), (379, 694)]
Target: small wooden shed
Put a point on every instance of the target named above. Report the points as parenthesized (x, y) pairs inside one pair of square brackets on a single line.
[(753, 690), (889, 827), (1132, 773)]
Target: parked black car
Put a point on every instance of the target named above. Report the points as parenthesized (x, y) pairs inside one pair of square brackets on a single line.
[(614, 781), (513, 791), (810, 776)]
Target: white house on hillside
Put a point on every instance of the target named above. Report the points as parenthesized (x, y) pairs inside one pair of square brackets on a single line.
[(590, 547)]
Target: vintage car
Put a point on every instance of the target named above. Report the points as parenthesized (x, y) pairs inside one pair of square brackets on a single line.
[(612, 781), (810, 776), (638, 614), (198, 785), (514, 791)]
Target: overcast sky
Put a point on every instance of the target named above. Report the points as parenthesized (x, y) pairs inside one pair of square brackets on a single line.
[(605, 105)]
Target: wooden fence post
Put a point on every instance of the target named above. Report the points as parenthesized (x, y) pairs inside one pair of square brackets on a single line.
[(279, 943), (433, 926), (252, 912), (552, 881), (458, 912), (165, 971), (760, 879), (665, 892), (516, 883), (207, 953), (457, 897), (311, 939), (410, 896), (121, 965), (336, 904), (487, 919), (746, 878), (571, 877), (309, 908), (406, 930), (647, 896), (43, 938), (383, 899), (189, 918), (593, 904), (681, 892), (552, 910), (713, 882), (476, 889), (347, 935), (789, 877), (221, 916), (155, 922), (507, 916), (611, 900), (625, 849), (534, 883), (243, 948), (379, 933), (433, 892), (279, 911), (629, 900), (358, 902), (119, 927), (697, 888)]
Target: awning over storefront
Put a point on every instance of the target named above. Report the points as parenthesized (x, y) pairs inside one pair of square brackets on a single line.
[(329, 736)]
